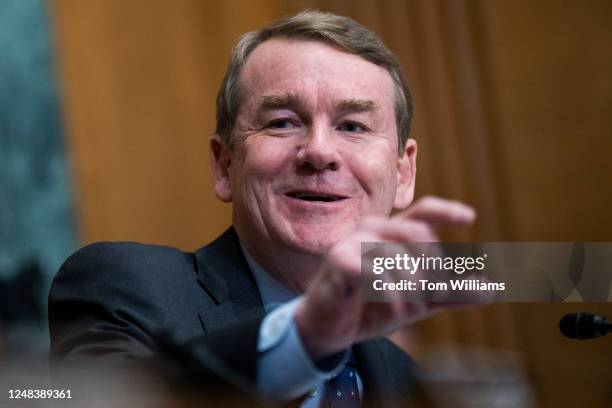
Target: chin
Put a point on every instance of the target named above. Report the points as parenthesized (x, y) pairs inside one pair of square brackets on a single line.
[(314, 247), (317, 240)]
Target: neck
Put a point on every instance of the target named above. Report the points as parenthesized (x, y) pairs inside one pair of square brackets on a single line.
[(293, 269)]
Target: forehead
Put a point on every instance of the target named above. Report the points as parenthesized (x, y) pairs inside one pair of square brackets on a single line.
[(314, 71)]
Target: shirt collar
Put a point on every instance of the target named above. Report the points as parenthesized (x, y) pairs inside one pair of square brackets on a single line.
[(272, 292)]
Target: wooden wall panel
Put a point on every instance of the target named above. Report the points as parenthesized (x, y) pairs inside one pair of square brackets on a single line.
[(552, 73)]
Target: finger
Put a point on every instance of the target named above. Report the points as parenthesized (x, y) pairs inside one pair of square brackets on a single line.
[(345, 257), (399, 230), (438, 211), (407, 230)]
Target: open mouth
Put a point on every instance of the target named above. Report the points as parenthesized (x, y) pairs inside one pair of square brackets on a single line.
[(315, 197)]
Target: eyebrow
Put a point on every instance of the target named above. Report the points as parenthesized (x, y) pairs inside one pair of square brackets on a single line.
[(292, 101), (285, 101), (357, 105)]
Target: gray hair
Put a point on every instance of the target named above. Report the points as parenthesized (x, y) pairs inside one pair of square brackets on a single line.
[(338, 31)]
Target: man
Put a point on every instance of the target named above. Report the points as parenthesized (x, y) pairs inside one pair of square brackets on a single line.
[(312, 150)]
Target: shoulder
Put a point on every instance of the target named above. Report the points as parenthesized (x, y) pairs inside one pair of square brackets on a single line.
[(125, 273), (123, 260), (126, 254), (123, 291)]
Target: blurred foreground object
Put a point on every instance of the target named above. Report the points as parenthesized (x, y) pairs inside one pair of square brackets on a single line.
[(23, 328), (472, 377), (36, 222)]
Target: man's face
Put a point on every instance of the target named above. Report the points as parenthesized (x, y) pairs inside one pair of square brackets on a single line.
[(315, 147)]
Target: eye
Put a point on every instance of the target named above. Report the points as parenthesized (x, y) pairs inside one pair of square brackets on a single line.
[(352, 127), (282, 124)]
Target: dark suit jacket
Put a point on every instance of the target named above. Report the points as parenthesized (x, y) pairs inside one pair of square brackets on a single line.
[(114, 303)]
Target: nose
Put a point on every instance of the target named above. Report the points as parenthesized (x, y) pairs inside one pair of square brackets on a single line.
[(319, 151)]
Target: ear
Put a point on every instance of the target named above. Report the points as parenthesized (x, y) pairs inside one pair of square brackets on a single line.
[(220, 161), (406, 174)]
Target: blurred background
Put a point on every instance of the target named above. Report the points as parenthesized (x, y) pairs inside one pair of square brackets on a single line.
[(106, 108)]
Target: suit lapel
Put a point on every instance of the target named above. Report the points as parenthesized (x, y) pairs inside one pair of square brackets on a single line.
[(369, 365), (225, 275), (380, 379)]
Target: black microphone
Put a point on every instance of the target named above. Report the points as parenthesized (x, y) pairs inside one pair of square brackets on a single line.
[(584, 325)]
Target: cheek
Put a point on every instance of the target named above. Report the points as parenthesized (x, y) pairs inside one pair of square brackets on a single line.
[(261, 162), (378, 175)]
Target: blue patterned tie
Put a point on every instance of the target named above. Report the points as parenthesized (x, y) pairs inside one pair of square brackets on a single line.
[(342, 391)]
